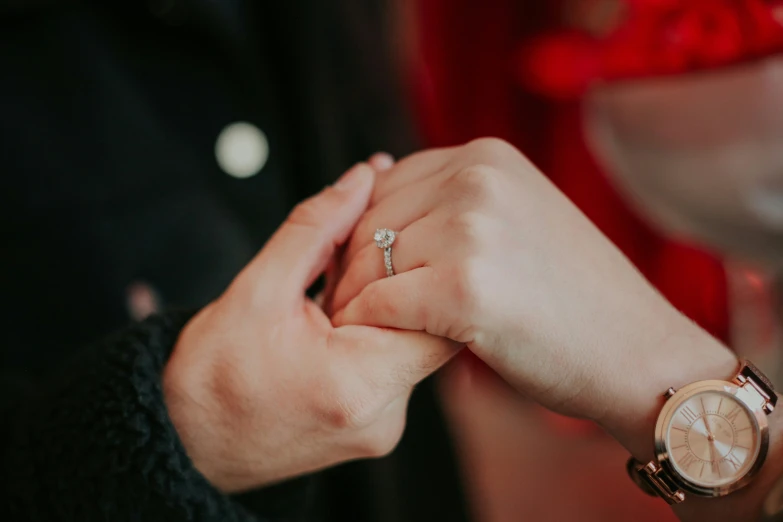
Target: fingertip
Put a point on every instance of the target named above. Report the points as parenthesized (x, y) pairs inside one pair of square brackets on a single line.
[(350, 313), (337, 318), (357, 176), (316, 227), (381, 161)]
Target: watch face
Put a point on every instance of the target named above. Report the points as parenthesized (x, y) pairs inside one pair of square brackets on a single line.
[(713, 439)]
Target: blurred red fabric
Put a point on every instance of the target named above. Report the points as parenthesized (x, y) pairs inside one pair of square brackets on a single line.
[(514, 69)]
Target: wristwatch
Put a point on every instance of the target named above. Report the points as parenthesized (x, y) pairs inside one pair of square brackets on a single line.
[(711, 437)]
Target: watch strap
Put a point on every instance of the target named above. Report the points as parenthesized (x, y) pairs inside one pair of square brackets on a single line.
[(654, 481), (749, 374)]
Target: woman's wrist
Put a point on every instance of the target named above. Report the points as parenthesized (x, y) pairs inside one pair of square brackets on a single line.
[(687, 354)]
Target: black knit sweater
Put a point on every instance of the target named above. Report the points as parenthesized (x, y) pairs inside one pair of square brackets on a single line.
[(96, 443), (109, 115)]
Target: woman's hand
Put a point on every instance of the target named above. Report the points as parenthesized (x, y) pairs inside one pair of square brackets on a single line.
[(261, 387), (491, 254)]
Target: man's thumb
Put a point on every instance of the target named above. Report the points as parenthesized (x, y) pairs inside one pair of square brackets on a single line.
[(301, 248)]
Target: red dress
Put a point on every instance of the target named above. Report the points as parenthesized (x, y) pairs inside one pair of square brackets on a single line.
[(515, 70)]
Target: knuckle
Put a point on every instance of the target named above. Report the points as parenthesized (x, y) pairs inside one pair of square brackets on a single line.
[(308, 213), (380, 439), (470, 229), (469, 279), (469, 283), (349, 413), (231, 390), (478, 184), (344, 403), (491, 147), (344, 412)]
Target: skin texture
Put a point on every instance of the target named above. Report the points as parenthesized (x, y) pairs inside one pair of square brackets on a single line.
[(264, 344), (492, 255)]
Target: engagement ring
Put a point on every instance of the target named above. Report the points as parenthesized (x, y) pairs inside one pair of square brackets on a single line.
[(384, 238)]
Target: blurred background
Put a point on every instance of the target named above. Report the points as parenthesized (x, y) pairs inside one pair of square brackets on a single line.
[(663, 121), (151, 147)]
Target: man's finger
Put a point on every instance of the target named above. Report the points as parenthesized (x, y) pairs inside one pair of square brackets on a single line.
[(407, 301), (395, 360), (396, 212), (301, 248)]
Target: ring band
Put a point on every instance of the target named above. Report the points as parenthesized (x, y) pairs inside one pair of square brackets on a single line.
[(384, 238)]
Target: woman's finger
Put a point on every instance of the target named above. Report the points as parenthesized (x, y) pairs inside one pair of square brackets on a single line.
[(415, 246), (381, 161), (397, 211), (411, 168), (415, 300)]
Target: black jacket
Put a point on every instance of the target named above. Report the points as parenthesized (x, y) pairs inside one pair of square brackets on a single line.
[(109, 112)]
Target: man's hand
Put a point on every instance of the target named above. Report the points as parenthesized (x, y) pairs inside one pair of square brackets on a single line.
[(261, 387)]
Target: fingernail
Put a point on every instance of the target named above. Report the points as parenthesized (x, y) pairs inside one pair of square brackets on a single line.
[(382, 161), (353, 178)]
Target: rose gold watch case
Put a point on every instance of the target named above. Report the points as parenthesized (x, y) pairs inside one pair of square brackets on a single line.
[(665, 417)]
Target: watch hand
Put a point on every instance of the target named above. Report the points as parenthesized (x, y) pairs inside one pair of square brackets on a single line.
[(710, 436), (713, 452)]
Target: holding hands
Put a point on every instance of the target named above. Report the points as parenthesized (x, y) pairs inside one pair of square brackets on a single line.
[(262, 386), (490, 254)]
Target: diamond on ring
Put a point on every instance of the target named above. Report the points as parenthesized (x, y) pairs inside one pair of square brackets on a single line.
[(384, 238)]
